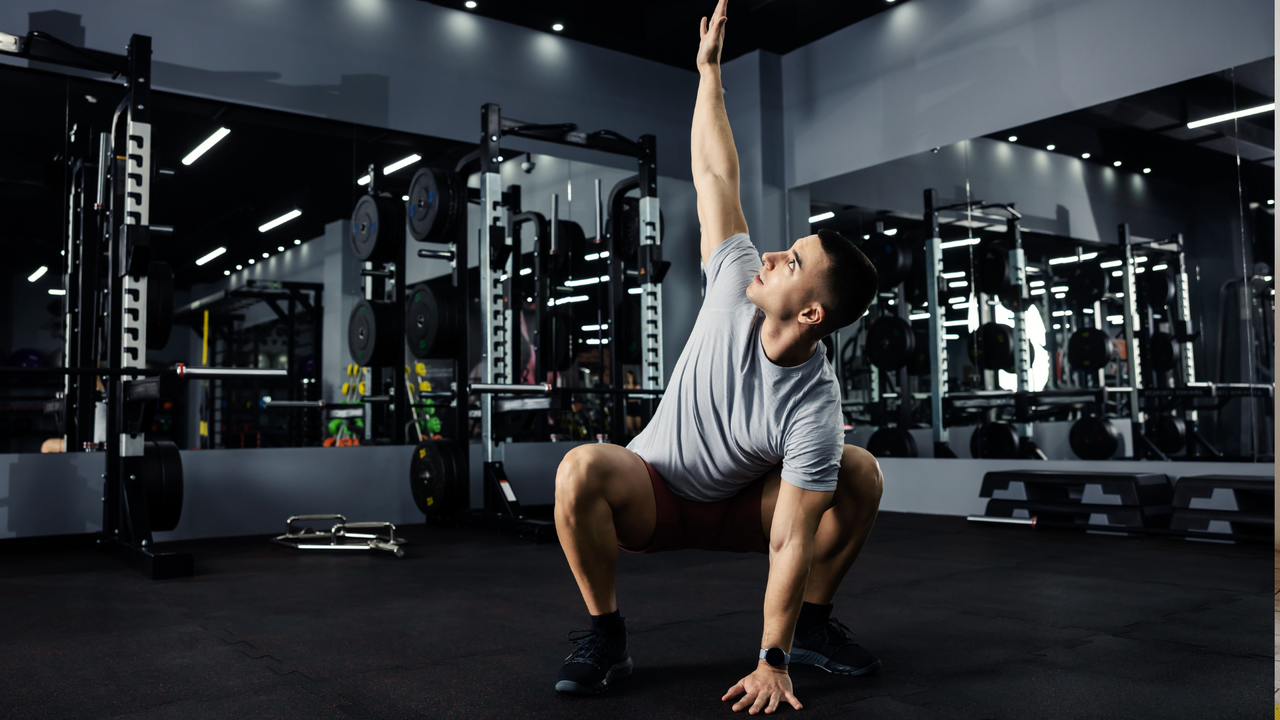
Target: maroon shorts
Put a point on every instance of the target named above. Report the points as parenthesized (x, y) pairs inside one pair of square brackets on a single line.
[(731, 525)]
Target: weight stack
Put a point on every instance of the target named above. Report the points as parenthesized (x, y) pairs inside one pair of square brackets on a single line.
[(1229, 504), (1136, 500)]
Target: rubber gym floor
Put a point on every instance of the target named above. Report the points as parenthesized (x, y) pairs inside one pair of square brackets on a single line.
[(970, 622)]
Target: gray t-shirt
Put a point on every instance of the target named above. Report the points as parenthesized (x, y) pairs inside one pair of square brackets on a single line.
[(729, 414)]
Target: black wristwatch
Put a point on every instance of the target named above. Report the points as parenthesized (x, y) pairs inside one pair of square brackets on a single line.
[(775, 657)]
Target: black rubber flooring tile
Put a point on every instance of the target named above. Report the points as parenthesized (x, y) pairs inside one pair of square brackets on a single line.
[(994, 547), (1109, 677), (1186, 564), (288, 701), (1234, 626), (1027, 593)]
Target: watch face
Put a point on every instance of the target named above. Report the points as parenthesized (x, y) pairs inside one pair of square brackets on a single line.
[(775, 657)]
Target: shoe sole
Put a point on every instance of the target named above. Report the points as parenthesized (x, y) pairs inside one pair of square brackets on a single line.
[(822, 662), (618, 671)]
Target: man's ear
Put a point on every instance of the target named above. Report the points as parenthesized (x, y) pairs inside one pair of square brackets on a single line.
[(813, 314)]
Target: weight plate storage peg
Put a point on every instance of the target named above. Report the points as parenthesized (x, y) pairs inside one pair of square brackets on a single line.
[(991, 347), (377, 229), (162, 485), (1090, 349), (890, 342), (436, 206), (159, 305), (892, 442), (994, 441), (1094, 438), (434, 473), (370, 336), (431, 323)]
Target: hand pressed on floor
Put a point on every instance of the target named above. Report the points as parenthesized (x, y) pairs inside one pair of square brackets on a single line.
[(763, 690)]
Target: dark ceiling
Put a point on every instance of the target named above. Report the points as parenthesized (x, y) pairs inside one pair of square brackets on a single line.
[(667, 30), (270, 163)]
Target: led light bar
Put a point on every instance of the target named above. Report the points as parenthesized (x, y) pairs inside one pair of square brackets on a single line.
[(958, 283), (593, 328), (573, 299), (280, 220), (1038, 291), (1115, 319), (957, 299), (1060, 288), (39, 273), (364, 180), (634, 291), (203, 147), (1160, 267), (57, 291), (1036, 283), (1111, 264), (891, 232), (954, 323), (592, 256), (953, 275), (1072, 258), (1269, 107), (820, 217), (580, 283), (959, 243), (211, 256), (401, 164), (919, 316), (526, 271)]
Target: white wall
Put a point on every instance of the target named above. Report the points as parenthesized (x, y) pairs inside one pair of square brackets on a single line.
[(930, 73)]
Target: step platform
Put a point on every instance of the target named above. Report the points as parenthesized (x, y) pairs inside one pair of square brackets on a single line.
[(1231, 505), (1136, 500)]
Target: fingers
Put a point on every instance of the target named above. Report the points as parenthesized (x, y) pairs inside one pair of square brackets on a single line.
[(745, 702), (702, 29), (773, 703), (762, 700), (795, 701), (734, 691)]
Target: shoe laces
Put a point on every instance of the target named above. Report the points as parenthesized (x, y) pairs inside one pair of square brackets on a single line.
[(591, 648), (836, 633)]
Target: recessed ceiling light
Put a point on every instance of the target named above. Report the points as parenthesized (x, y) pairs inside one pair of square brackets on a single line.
[(404, 198), (226, 272), (1085, 155), (1013, 138), (557, 27), (203, 147), (280, 249), (266, 255), (1116, 163), (252, 261), (297, 242), (1271, 202), (1146, 171), (1050, 147), (211, 256), (239, 267), (471, 4), (39, 273), (280, 220)]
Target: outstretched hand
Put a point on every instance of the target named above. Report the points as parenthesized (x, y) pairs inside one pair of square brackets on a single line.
[(713, 36), (763, 689)]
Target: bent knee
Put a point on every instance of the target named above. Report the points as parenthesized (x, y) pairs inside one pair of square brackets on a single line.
[(860, 474), (577, 474)]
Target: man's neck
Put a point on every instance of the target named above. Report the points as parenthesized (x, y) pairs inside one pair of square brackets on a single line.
[(785, 344)]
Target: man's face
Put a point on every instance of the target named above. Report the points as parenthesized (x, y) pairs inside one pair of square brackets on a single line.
[(790, 282)]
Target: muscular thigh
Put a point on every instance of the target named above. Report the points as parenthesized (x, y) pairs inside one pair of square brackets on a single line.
[(622, 479)]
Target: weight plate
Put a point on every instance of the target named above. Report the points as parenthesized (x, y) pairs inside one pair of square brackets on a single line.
[(1090, 349), (991, 347), (434, 475), (159, 305), (436, 205), (377, 229), (1087, 284), (993, 275), (890, 342), (1170, 434), (891, 259), (370, 334), (1094, 438), (919, 362), (431, 323), (994, 441), (1156, 288), (1163, 351), (162, 484), (892, 442)]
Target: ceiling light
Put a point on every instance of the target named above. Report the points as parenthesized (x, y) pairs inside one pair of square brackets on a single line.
[(954, 323), (1059, 289), (1072, 258), (1146, 171), (1085, 155), (953, 275), (1036, 283), (471, 4), (266, 255), (1038, 291), (405, 198), (211, 256), (557, 27), (239, 267), (1111, 263), (866, 237), (634, 291), (399, 164), (919, 316), (364, 180), (526, 271), (891, 232), (280, 220), (226, 272), (584, 281), (958, 283), (1050, 147), (1013, 138), (820, 217), (959, 243), (574, 299), (203, 147), (91, 99), (252, 261), (1271, 202), (1160, 267), (1116, 163), (1231, 116), (39, 273), (297, 241), (280, 249), (57, 291)]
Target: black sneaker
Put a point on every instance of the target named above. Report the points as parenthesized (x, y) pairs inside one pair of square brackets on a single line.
[(829, 647), (596, 662)]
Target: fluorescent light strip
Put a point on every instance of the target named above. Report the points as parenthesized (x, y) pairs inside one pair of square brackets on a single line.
[(1038, 291), (526, 271), (951, 337), (1269, 107), (574, 299), (280, 220), (957, 299), (39, 273), (891, 232), (953, 275), (1111, 264), (955, 323), (364, 180), (919, 316), (820, 217), (958, 283), (1061, 313), (1036, 283), (593, 328), (959, 243), (400, 164), (1072, 258), (580, 283), (634, 291), (203, 147), (592, 256), (1160, 267), (1060, 288), (211, 256), (57, 291), (597, 341)]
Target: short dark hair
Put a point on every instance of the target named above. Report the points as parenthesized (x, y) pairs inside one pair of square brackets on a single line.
[(851, 280)]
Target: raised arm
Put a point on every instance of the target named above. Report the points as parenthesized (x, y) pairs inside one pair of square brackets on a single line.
[(715, 159)]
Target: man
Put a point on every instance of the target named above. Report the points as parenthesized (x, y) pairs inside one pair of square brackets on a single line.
[(746, 450)]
